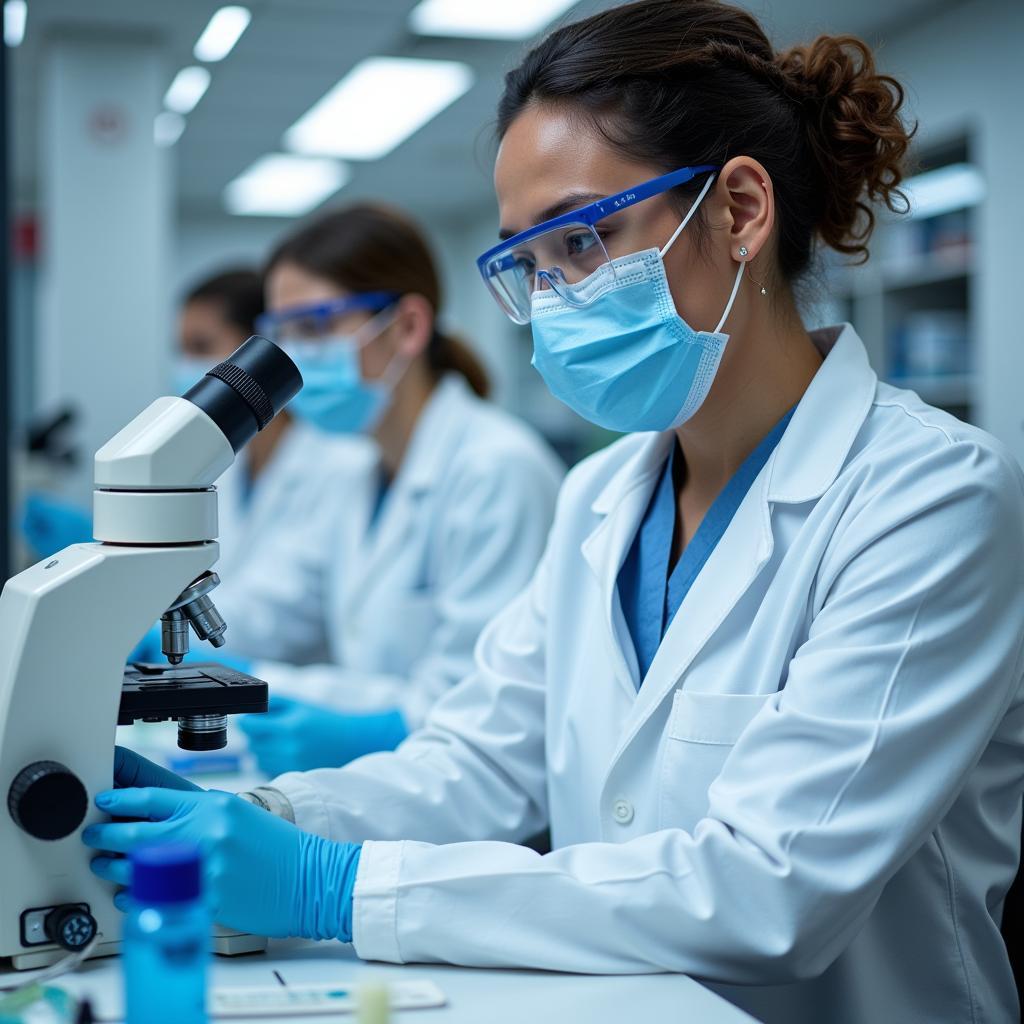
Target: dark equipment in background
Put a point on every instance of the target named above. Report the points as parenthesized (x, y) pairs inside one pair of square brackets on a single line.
[(51, 437)]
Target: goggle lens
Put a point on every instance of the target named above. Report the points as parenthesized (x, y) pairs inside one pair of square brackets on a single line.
[(556, 259)]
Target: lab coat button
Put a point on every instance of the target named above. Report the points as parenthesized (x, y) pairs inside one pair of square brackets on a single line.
[(622, 811)]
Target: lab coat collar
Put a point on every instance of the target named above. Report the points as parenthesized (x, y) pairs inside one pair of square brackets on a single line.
[(806, 461), (606, 546), (827, 420)]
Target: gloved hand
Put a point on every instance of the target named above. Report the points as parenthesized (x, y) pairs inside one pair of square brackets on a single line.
[(50, 524), (297, 736), (262, 874), (132, 770), (148, 651)]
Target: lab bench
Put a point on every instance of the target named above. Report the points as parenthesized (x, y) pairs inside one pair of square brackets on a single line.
[(473, 996)]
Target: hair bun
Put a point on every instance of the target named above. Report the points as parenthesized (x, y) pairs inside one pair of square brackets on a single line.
[(855, 132)]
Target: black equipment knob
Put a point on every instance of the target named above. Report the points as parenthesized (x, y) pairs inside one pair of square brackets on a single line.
[(47, 800), (71, 927), (245, 392)]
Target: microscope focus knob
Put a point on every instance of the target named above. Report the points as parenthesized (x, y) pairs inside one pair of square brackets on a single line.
[(47, 800), (71, 927)]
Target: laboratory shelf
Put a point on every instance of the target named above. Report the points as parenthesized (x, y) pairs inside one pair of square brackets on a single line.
[(941, 267)]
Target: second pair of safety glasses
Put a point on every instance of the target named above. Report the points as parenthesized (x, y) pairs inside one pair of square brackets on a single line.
[(561, 252), (326, 349), (315, 321)]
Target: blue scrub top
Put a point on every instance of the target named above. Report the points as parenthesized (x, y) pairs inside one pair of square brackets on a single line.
[(649, 595), (381, 497)]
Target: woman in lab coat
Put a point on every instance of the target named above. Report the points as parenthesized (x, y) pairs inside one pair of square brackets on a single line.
[(765, 686), (438, 515)]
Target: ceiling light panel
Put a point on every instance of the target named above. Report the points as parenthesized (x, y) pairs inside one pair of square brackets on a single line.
[(167, 128), (282, 185), (378, 105), (221, 34), (486, 19), (15, 16), (187, 89)]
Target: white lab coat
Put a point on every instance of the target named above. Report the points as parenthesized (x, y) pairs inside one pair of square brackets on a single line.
[(386, 614), (293, 491), (814, 800)]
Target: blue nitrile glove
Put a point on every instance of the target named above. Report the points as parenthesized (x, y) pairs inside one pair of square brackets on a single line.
[(295, 736), (132, 770), (50, 524), (148, 651), (262, 874)]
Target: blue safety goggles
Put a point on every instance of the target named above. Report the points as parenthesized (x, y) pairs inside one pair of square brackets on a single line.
[(563, 251), (317, 320)]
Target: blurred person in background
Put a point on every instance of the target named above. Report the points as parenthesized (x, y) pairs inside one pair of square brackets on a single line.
[(372, 614)]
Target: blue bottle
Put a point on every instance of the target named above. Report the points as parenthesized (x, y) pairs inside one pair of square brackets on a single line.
[(166, 937)]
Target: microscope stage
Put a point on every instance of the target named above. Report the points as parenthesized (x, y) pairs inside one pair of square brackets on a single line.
[(158, 693)]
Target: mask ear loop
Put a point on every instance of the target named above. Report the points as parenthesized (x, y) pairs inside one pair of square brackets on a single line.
[(678, 232), (397, 365), (732, 298), (689, 213), (388, 314)]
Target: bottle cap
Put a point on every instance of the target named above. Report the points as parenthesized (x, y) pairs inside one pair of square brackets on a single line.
[(168, 873)]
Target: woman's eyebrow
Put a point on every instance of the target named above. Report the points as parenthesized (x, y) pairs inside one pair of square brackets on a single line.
[(573, 201)]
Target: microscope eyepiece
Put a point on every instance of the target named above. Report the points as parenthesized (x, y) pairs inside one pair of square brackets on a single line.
[(246, 391)]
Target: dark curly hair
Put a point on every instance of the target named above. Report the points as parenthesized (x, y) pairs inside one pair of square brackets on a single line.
[(679, 82)]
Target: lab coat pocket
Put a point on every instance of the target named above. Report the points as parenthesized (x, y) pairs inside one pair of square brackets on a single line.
[(702, 730)]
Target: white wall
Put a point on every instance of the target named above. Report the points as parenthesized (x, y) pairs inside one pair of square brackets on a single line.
[(105, 197), (206, 245)]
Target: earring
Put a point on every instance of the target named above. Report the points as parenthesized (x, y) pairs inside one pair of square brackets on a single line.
[(743, 250), (764, 291)]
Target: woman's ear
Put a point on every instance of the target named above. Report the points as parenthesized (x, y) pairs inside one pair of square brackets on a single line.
[(413, 325), (749, 204)]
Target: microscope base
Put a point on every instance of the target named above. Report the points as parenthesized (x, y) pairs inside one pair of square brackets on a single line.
[(227, 943), (223, 943), (45, 957)]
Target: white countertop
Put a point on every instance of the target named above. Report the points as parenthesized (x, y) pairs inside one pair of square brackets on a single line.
[(474, 996)]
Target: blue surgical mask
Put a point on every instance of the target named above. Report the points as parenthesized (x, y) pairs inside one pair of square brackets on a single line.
[(623, 358), (335, 398)]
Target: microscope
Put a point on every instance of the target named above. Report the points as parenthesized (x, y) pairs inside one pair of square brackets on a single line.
[(68, 625)]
